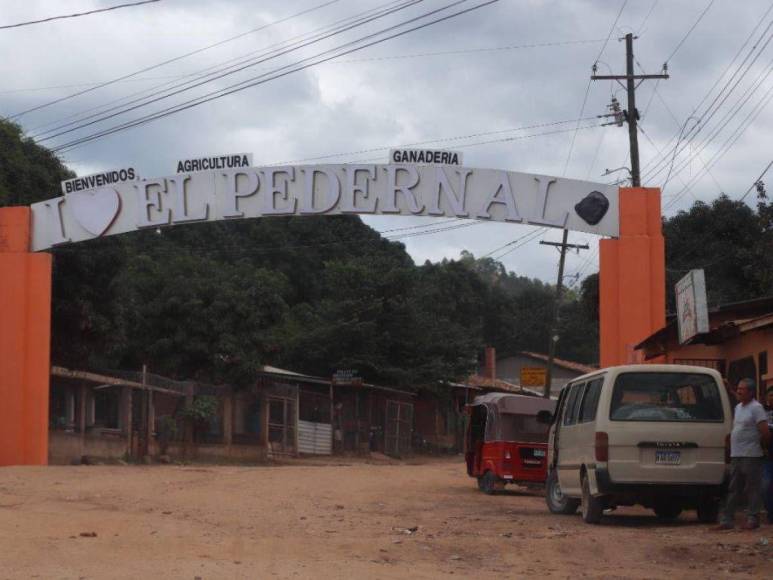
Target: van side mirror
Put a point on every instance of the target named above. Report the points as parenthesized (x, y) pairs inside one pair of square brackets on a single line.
[(545, 417)]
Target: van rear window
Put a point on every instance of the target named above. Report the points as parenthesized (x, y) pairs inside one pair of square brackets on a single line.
[(679, 397)]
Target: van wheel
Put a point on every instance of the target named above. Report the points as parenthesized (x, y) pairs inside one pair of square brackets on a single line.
[(708, 511), (667, 511), (557, 502), (592, 507), (488, 483)]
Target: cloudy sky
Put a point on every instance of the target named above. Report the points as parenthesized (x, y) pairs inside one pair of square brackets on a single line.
[(505, 84)]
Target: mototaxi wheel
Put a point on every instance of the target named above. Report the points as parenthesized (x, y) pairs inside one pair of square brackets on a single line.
[(488, 483)]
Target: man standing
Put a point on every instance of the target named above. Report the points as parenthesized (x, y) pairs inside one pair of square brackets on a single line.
[(750, 429), (767, 477)]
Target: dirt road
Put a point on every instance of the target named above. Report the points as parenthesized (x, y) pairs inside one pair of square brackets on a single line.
[(336, 520)]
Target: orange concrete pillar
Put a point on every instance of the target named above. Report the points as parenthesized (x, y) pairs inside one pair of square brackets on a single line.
[(632, 277), (25, 337)]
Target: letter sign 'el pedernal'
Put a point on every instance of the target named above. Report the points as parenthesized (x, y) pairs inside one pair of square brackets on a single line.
[(393, 189)]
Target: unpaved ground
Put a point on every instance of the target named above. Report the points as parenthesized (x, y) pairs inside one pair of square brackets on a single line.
[(335, 520)]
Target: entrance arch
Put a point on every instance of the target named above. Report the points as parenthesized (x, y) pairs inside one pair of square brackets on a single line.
[(632, 270)]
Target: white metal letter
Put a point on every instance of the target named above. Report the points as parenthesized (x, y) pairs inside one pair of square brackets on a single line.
[(507, 199), (144, 205), (389, 201), (455, 200), (232, 195), (349, 201), (272, 190), (330, 195)]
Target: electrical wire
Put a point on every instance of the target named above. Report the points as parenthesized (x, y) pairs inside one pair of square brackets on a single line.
[(684, 38), (79, 14), (649, 167), (171, 60), (587, 88), (252, 82), (203, 79), (729, 142), (231, 66), (730, 115), (463, 51), (431, 141)]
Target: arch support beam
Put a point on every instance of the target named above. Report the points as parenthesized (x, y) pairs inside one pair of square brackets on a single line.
[(632, 277), (25, 338)]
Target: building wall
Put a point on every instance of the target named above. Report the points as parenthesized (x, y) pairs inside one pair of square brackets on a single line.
[(749, 344), (66, 448), (509, 369)]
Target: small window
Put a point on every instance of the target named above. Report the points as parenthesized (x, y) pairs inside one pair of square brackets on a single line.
[(570, 415), (590, 401)]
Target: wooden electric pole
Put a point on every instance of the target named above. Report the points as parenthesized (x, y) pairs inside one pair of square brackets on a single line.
[(559, 292), (631, 115)]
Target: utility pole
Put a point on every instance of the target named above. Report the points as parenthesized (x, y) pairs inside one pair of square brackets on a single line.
[(559, 292), (631, 115)]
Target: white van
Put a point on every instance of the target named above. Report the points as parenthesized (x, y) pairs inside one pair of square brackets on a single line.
[(655, 435)]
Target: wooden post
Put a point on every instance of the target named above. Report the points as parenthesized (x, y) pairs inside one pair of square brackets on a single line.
[(332, 421), (126, 418), (228, 417), (82, 416)]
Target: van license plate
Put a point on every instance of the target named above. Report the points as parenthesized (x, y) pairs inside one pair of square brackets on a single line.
[(539, 453), (668, 457)]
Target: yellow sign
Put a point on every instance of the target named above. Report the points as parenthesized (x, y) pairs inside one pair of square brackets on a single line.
[(533, 376)]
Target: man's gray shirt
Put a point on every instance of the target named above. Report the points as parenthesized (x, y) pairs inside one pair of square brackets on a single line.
[(745, 438)]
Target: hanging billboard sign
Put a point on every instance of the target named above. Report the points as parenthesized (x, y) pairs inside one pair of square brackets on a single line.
[(691, 305), (363, 189)]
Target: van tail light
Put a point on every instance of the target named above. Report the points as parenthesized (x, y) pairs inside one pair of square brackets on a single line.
[(507, 455), (727, 448), (602, 446)]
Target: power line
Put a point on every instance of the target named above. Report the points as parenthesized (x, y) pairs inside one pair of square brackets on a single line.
[(78, 14), (269, 52), (252, 82), (264, 56), (430, 141), (708, 113), (587, 88), (470, 50), (730, 115), (462, 51), (171, 60), (729, 142), (681, 42), (175, 90)]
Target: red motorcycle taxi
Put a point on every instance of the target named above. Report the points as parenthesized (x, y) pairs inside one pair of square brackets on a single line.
[(504, 443)]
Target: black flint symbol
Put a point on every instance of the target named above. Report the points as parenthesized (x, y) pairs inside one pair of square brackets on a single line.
[(593, 207)]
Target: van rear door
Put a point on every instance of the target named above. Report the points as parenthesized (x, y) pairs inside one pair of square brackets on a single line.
[(667, 427)]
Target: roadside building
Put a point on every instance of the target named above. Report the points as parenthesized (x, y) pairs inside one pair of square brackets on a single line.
[(737, 345), (508, 369), (126, 415), (440, 413)]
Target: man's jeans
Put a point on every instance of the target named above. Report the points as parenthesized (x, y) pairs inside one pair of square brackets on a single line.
[(745, 481), (767, 488)]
